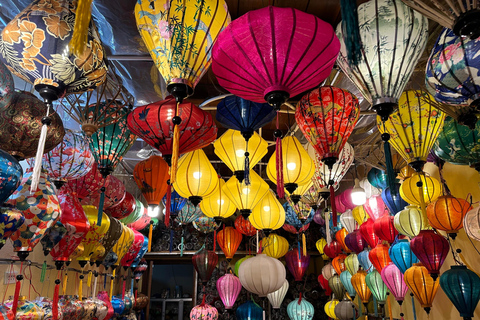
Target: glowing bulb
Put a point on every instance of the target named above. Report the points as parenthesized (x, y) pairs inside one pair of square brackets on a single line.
[(197, 175), (291, 166), (246, 190), (240, 153), (358, 195), (220, 202), (266, 208), (153, 211)]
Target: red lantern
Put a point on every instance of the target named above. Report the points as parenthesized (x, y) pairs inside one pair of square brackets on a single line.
[(340, 236), (205, 262), (114, 193), (379, 257), (338, 263), (324, 284), (332, 249), (375, 207), (229, 239), (133, 250), (87, 185), (431, 249), (124, 208), (297, 263), (355, 242), (368, 233), (385, 229), (244, 226)]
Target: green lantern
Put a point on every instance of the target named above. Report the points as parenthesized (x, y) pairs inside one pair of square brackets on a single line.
[(375, 284)]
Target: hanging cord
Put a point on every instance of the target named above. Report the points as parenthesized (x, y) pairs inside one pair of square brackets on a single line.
[(247, 165), (413, 307), (101, 203), (37, 169), (420, 192), (389, 304), (279, 158), (31, 286)]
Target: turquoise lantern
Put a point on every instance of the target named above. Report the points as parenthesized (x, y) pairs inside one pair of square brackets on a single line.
[(346, 279), (249, 311), (377, 178), (300, 309), (401, 255)]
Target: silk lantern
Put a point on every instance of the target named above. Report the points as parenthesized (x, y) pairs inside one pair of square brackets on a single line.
[(375, 207), (345, 310), (88, 184), (332, 249), (268, 214), (228, 287), (471, 223), (262, 274), (123, 245), (188, 214), (112, 236), (204, 311), (462, 287), (276, 298), (431, 249), (141, 223), (297, 263), (205, 262), (229, 239), (244, 226), (348, 221), (364, 260), (346, 279), (329, 309), (392, 200), (300, 309), (130, 203), (246, 197), (218, 206), (368, 233), (393, 279), (355, 242), (384, 228), (359, 214), (447, 213), (360, 285), (379, 256), (320, 244), (340, 236), (352, 264), (311, 196), (337, 287), (377, 287), (420, 190), (328, 271), (249, 311), (275, 246), (411, 221), (377, 178), (402, 255), (324, 284), (422, 285), (303, 190), (11, 174), (338, 263), (346, 199)]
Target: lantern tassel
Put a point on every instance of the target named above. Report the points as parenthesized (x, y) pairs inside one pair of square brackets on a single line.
[(83, 15), (279, 163), (44, 270), (175, 147), (300, 298), (351, 31), (389, 164), (298, 249), (150, 232), (64, 284), (37, 169), (247, 165), (334, 209), (111, 284), (100, 204), (214, 240), (304, 244), (80, 289), (181, 247), (168, 205), (360, 305), (18, 285), (55, 297), (89, 279), (413, 307)]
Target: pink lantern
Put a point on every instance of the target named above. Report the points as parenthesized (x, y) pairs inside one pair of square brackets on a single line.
[(375, 207), (204, 311), (141, 223), (393, 278), (228, 288), (133, 250), (114, 194), (297, 263), (339, 204), (346, 199), (124, 208)]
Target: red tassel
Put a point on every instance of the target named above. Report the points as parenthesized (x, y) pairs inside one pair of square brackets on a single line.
[(279, 164), (300, 299), (55, 301), (18, 285), (203, 300), (334, 209), (167, 205), (135, 302)]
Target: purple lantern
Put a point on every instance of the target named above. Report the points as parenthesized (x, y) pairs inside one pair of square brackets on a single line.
[(355, 242), (297, 263), (228, 288)]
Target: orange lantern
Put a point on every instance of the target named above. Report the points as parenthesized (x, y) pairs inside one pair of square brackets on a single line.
[(340, 236), (422, 285), (338, 263), (244, 226), (360, 285), (447, 213), (229, 239), (379, 256)]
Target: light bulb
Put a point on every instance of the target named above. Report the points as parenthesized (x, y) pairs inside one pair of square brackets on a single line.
[(197, 175), (291, 166), (246, 190), (220, 202), (359, 197), (240, 153), (153, 211), (266, 208)]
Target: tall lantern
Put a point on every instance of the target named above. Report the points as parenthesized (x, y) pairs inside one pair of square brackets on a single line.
[(276, 298), (431, 249), (346, 279), (262, 274), (228, 287), (229, 239), (352, 264), (447, 214), (348, 221), (337, 287), (204, 262), (375, 284), (218, 205), (368, 233), (379, 256), (393, 279), (422, 285), (297, 263), (359, 214), (275, 246), (411, 221), (360, 285), (246, 197), (384, 228), (402, 255), (268, 214)]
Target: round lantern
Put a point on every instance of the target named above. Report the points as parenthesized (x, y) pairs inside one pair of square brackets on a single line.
[(393, 279), (297, 263), (87, 185), (94, 235), (402, 255), (337, 287), (324, 284), (268, 214), (360, 285), (244, 226), (359, 214), (471, 223), (447, 213), (248, 311), (346, 279), (368, 233), (125, 209), (239, 262), (384, 228), (320, 244), (355, 242), (329, 309), (377, 178), (462, 287), (228, 287), (300, 309), (204, 312), (377, 287), (348, 221), (379, 256), (113, 193), (328, 271), (264, 270), (205, 224), (11, 174), (276, 298), (431, 249), (345, 310), (375, 207), (229, 239), (332, 249), (352, 264), (410, 190), (275, 246), (205, 262), (410, 221), (338, 263), (218, 205), (392, 200), (422, 285), (340, 235)]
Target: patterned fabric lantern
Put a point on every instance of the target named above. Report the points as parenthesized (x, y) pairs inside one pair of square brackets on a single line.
[(133, 250), (447, 213), (176, 202), (411, 221), (375, 207), (379, 256), (352, 264), (188, 214), (346, 279), (329, 309), (205, 224), (10, 222), (204, 312), (422, 285), (141, 223), (340, 236), (462, 287), (205, 262), (7, 86), (431, 249), (11, 174), (345, 310), (428, 192), (113, 194), (364, 260), (297, 263), (359, 214), (402, 255), (300, 309), (368, 233), (126, 209), (355, 242), (328, 271), (384, 228), (377, 287), (123, 244), (218, 205), (471, 223), (348, 221), (262, 274), (275, 246), (276, 298), (118, 306), (27, 309), (311, 196), (268, 214), (249, 311), (324, 284), (111, 237), (360, 285), (71, 159), (229, 239), (87, 185), (337, 287), (393, 279), (244, 226), (392, 200), (338, 263), (228, 287)]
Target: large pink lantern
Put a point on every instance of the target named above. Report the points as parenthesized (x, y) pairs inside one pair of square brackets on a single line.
[(228, 288), (393, 278), (375, 207)]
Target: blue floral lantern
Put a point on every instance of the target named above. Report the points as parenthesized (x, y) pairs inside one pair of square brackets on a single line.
[(300, 309), (176, 204), (401, 255), (249, 311), (11, 174)]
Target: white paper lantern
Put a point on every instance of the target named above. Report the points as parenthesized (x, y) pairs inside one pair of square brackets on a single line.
[(276, 298), (348, 221), (262, 274), (369, 189), (328, 271)]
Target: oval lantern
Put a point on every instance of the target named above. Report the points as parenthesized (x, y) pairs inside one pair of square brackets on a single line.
[(360, 285), (379, 256), (328, 271), (205, 224), (410, 192), (402, 255), (248, 311), (377, 287), (87, 185), (340, 235), (130, 203), (320, 244), (124, 208), (7, 86), (205, 262), (346, 279), (431, 249), (229, 239), (355, 242), (364, 260), (275, 246), (332, 249), (352, 264), (264, 270), (377, 178), (228, 287), (384, 228), (113, 194), (300, 309), (348, 221), (422, 285), (368, 233), (345, 310), (393, 279), (337, 287), (297, 263), (411, 221), (276, 298), (338, 263), (111, 237), (10, 222), (393, 201), (133, 250), (447, 213), (359, 214), (329, 309)]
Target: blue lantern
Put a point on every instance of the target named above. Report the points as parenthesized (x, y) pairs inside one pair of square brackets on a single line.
[(291, 217), (364, 261), (11, 174), (346, 279), (300, 309), (462, 287), (140, 254), (392, 200), (176, 203), (377, 178), (249, 311), (118, 305), (401, 255)]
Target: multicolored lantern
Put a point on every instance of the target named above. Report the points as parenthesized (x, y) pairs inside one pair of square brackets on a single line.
[(228, 287), (133, 250), (87, 185), (112, 192), (205, 224), (423, 286), (11, 174), (10, 221), (244, 226), (126, 210), (7, 86)]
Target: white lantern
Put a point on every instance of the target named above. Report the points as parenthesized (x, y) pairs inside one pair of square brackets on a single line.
[(328, 271), (276, 298), (369, 189), (262, 275), (347, 221)]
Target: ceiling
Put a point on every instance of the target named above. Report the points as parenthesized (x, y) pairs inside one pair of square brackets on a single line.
[(116, 23)]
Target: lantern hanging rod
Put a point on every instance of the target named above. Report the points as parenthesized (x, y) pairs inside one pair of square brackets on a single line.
[(130, 57)]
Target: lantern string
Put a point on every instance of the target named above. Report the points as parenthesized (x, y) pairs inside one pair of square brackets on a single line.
[(401, 313), (360, 305), (332, 203), (31, 286), (298, 247), (420, 193), (175, 147), (80, 287), (413, 307), (37, 169), (279, 161), (168, 204), (18, 286), (247, 165)]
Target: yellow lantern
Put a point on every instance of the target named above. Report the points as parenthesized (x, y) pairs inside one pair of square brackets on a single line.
[(414, 127), (268, 214), (330, 308), (300, 191), (231, 148), (420, 190), (298, 166), (246, 197), (94, 235), (275, 246), (123, 244), (410, 221), (405, 172), (196, 178), (218, 205), (97, 254), (352, 264), (359, 214), (320, 244)]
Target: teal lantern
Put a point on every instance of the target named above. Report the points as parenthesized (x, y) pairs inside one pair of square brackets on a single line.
[(401, 255), (377, 286), (346, 279), (377, 178), (462, 287), (249, 311), (11, 174), (300, 309)]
